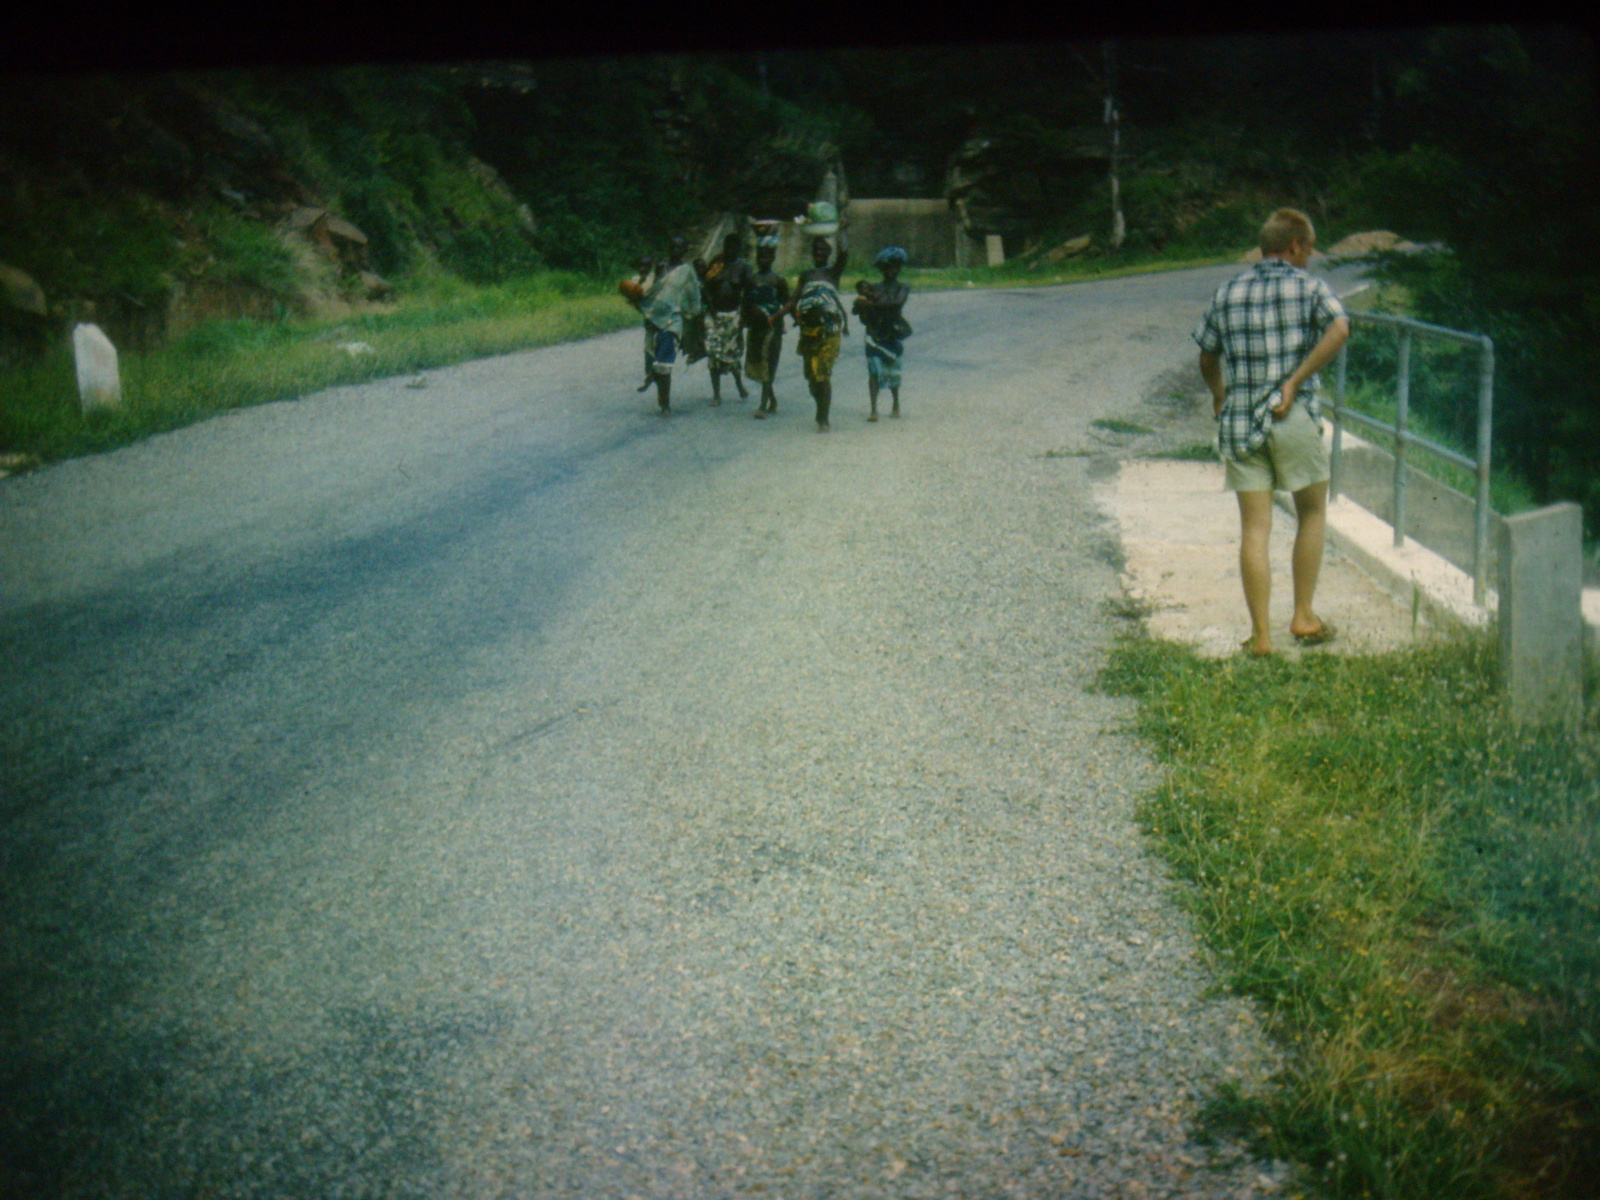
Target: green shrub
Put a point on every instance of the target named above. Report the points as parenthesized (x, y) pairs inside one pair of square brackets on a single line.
[(1224, 227), (389, 248), (487, 253), (246, 251), (93, 246)]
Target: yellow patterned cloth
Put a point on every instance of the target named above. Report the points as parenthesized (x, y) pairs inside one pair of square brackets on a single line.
[(819, 351)]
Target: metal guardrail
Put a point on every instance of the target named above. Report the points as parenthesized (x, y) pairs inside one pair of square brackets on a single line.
[(1404, 438)]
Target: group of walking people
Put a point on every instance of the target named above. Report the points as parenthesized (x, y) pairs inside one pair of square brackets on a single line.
[(734, 315)]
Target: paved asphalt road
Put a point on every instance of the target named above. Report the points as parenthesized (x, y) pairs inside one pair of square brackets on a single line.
[(487, 788)]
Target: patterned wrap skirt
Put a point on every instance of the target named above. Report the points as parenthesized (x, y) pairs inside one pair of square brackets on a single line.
[(818, 351), (724, 340), (883, 361), (762, 344), (660, 350)]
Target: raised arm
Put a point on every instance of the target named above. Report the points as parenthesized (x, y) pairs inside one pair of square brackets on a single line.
[(790, 299), (1335, 336)]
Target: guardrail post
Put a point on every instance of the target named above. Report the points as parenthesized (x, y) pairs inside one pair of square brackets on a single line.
[(1480, 546), (1402, 408)]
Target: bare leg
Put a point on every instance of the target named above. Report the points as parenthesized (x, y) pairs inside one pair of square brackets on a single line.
[(664, 393), (895, 411), (716, 387), (872, 395), (1255, 528), (1311, 510)]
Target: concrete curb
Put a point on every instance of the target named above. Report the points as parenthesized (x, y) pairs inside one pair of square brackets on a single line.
[(1416, 576)]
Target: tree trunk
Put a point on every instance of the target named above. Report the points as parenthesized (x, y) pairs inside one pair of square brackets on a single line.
[(1113, 126)]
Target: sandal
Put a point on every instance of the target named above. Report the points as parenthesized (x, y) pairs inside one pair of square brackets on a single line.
[(1320, 636)]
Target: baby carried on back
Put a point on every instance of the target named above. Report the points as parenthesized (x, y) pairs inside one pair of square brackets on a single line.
[(818, 309)]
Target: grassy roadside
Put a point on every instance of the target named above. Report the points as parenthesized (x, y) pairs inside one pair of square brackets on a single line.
[(233, 364), (1411, 889)]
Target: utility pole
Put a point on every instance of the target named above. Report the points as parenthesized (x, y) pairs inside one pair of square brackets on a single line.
[(1113, 120)]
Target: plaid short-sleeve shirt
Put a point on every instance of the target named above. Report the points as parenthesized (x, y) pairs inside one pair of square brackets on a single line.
[(1263, 323)]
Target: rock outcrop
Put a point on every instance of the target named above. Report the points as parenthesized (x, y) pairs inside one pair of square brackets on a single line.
[(19, 291), (1365, 243)]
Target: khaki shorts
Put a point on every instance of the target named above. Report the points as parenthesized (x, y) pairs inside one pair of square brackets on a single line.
[(1293, 457)]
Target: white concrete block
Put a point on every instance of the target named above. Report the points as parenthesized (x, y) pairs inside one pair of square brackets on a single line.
[(99, 379), (1541, 614)]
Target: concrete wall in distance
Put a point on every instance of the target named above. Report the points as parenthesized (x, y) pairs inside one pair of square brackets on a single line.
[(926, 230)]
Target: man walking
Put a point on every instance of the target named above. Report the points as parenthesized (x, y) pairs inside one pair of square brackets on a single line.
[(1264, 337)]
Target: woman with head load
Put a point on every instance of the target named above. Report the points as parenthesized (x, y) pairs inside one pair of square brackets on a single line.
[(819, 312), (886, 329)]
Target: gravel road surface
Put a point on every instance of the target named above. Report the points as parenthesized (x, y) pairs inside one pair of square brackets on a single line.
[(489, 789)]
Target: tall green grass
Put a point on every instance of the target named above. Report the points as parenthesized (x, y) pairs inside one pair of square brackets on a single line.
[(1411, 887), (231, 364)]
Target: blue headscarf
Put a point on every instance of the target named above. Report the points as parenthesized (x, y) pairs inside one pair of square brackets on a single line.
[(890, 254)]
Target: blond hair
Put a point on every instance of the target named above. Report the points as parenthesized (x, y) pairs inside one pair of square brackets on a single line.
[(1283, 227)]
